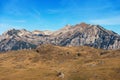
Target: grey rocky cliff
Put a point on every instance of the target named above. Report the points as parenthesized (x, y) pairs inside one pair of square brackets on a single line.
[(78, 35)]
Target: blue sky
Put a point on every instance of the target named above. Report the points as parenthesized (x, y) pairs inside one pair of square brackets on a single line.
[(54, 14)]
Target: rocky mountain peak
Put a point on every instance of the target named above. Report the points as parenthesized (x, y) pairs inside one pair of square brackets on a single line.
[(37, 32), (48, 32), (67, 27), (11, 32), (23, 32), (15, 33), (83, 25)]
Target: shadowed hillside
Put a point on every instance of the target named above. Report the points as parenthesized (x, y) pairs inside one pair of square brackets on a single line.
[(48, 62)]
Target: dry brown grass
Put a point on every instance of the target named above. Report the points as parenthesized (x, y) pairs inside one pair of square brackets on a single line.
[(44, 63)]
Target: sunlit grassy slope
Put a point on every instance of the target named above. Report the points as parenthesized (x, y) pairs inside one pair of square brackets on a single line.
[(47, 61)]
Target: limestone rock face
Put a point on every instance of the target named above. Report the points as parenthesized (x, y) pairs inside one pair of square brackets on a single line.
[(78, 35), (90, 35)]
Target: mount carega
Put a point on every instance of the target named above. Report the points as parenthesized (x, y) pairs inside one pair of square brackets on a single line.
[(78, 35)]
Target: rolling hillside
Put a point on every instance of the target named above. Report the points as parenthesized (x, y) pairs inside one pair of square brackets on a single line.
[(48, 62)]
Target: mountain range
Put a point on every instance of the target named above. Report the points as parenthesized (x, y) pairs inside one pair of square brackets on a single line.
[(71, 35)]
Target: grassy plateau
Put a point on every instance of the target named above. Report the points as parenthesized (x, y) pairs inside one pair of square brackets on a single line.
[(49, 62)]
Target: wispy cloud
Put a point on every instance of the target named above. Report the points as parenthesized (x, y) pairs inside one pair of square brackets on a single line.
[(12, 7), (4, 27), (8, 26), (13, 21), (18, 21), (54, 11), (36, 12), (107, 21)]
